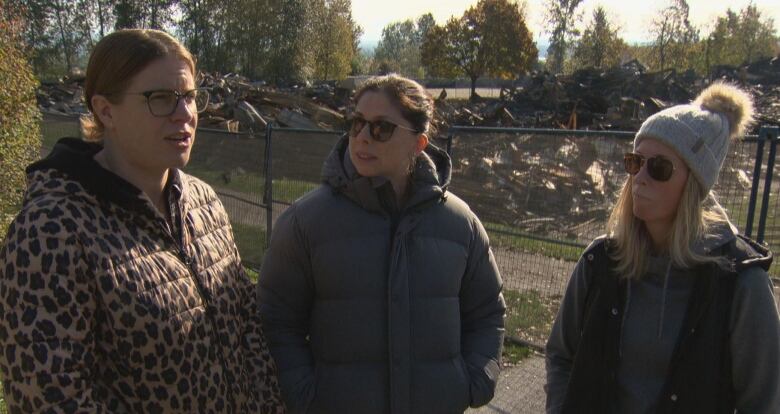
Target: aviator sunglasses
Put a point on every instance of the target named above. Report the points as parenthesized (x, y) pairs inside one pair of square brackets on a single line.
[(379, 130), (658, 167)]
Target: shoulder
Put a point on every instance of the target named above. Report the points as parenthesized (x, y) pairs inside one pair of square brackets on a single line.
[(752, 280), (322, 203), (198, 190), (596, 249), (747, 253), (54, 207), (455, 210)]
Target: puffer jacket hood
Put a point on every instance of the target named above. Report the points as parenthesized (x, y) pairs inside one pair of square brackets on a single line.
[(430, 179)]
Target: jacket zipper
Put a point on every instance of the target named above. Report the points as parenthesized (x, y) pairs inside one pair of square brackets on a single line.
[(185, 259)]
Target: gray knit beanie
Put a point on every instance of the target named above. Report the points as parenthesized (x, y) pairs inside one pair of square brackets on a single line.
[(700, 131)]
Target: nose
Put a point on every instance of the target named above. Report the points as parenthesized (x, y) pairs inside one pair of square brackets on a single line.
[(364, 134), (641, 177), (184, 113)]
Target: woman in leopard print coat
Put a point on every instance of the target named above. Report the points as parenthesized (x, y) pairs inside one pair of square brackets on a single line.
[(121, 288)]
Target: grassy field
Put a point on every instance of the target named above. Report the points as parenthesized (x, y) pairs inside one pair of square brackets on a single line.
[(508, 237), (253, 184), (251, 243), (529, 315)]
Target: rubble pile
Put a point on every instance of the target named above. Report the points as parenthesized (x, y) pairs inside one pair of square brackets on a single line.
[(561, 186), (548, 186), (614, 99)]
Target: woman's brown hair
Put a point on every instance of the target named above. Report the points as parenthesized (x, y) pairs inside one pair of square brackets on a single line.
[(116, 59), (413, 100)]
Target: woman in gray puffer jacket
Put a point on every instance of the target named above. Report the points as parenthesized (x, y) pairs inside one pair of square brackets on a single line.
[(379, 291)]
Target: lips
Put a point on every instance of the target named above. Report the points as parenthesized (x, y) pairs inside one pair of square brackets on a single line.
[(364, 156), (179, 136), (181, 141)]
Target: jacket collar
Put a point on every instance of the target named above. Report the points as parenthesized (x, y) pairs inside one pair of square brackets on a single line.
[(430, 179), (74, 158)]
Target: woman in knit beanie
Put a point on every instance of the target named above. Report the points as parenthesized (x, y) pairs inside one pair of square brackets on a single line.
[(672, 310)]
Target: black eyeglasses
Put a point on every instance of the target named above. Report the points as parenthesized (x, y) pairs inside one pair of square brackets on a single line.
[(163, 102), (380, 130), (658, 167)]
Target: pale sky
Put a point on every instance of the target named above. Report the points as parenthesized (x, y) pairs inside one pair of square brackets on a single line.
[(631, 15)]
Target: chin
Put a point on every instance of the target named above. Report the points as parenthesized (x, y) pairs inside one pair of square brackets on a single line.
[(641, 213)]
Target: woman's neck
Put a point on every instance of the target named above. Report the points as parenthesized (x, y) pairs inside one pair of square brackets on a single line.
[(150, 183), (659, 234)]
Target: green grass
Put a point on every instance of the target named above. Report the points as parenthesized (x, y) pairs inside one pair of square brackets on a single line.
[(498, 237), (529, 315), (251, 243), (512, 353), (52, 131), (251, 183), (252, 273)]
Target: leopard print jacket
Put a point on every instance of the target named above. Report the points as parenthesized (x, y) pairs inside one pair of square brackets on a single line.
[(103, 308)]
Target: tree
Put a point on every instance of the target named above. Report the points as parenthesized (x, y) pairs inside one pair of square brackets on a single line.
[(400, 46), (600, 45), (333, 38), (286, 54), (64, 14), (740, 38), (143, 14), (674, 36), (490, 38), (57, 33), (20, 137), (757, 34), (562, 16)]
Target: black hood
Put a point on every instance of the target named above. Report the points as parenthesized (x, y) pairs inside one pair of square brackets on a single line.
[(74, 158)]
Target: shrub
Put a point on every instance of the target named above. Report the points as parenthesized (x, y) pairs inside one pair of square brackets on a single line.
[(20, 137)]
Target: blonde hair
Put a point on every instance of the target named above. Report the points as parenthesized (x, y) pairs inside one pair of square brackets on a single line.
[(696, 214), (115, 60)]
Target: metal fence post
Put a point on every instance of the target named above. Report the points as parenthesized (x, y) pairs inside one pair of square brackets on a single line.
[(772, 135), (756, 179), (268, 194)]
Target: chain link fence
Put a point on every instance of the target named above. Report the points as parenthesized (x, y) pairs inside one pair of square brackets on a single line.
[(543, 195)]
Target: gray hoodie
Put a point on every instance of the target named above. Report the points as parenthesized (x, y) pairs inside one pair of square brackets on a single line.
[(653, 314)]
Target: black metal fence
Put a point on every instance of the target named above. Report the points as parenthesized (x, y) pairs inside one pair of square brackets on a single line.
[(543, 195)]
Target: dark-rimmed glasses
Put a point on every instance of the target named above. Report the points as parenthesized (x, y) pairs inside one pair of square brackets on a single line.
[(379, 130), (658, 167), (163, 102)]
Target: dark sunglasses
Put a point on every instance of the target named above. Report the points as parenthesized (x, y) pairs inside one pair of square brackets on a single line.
[(380, 130), (658, 167), (164, 102)]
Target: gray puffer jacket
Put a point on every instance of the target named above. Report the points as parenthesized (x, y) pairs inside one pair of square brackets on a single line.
[(367, 311)]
